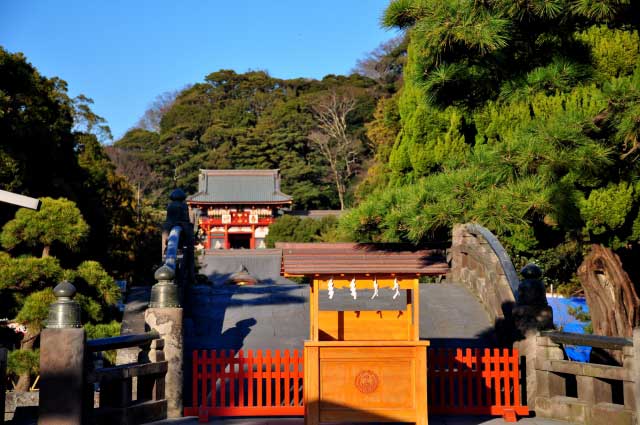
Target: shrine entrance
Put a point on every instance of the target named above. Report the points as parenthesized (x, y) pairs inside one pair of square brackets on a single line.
[(364, 360), (240, 240)]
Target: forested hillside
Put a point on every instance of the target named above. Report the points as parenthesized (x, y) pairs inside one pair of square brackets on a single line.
[(523, 116), (253, 120)]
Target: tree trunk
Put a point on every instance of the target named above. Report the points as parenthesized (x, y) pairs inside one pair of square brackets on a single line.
[(612, 298), (24, 379), (341, 197), (45, 251), (339, 186)]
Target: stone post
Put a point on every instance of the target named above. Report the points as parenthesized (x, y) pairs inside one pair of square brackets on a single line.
[(165, 316), (62, 354), (531, 314), (636, 372), (545, 385), (3, 380)]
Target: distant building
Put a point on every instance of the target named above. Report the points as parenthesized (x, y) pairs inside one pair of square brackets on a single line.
[(234, 208)]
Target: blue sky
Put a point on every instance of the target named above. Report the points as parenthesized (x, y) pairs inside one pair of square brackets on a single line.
[(124, 53)]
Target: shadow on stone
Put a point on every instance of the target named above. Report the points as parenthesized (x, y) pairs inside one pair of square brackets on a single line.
[(233, 338)]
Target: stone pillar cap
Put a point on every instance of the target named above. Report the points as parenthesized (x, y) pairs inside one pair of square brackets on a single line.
[(178, 195), (164, 272), (64, 312), (531, 271), (64, 289)]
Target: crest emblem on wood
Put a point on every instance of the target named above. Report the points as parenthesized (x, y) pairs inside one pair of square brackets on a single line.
[(367, 381)]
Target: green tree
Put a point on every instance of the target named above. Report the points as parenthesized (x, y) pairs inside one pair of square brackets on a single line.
[(26, 293), (57, 221), (27, 282), (36, 118), (521, 116), (50, 148), (289, 228)]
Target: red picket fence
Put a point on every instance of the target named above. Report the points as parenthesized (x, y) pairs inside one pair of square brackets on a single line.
[(460, 381), (475, 382), (255, 385)]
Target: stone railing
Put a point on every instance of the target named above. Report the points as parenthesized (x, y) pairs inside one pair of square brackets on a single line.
[(587, 393), (479, 262), (68, 378), (117, 404)]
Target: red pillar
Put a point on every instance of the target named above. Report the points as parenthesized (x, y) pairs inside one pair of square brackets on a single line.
[(252, 244), (226, 237)]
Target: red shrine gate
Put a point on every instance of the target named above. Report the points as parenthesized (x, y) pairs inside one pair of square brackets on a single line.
[(234, 208), (233, 229)]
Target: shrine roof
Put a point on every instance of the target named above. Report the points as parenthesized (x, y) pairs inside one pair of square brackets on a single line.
[(353, 258), (239, 186)]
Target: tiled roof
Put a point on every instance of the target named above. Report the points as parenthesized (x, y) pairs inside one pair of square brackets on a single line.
[(316, 214), (264, 264), (333, 258), (239, 186)]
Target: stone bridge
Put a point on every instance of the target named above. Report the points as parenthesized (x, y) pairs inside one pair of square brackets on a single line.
[(477, 301), (475, 293)]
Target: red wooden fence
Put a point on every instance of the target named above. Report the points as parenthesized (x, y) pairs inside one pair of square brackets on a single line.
[(460, 381), (255, 385), (475, 382)]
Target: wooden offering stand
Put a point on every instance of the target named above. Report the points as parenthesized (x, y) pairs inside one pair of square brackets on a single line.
[(366, 364)]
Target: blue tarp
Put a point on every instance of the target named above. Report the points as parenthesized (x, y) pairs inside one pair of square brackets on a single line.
[(567, 323)]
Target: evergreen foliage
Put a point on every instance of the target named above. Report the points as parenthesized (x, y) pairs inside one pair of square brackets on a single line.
[(23, 362), (289, 228), (522, 116), (58, 220)]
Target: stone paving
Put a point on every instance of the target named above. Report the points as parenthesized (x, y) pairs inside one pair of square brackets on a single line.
[(433, 420), (248, 317), (450, 315), (277, 316)]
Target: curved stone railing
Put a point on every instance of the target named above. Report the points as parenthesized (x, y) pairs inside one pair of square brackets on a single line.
[(480, 262), (173, 244)]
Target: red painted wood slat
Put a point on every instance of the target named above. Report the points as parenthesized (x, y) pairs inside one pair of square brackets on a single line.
[(287, 376), (278, 378), (241, 374), (250, 379), (259, 376)]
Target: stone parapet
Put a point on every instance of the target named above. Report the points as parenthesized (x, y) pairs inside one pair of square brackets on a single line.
[(586, 393)]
